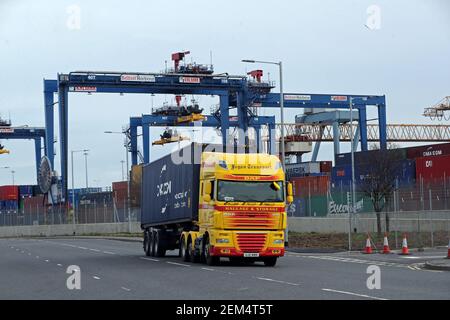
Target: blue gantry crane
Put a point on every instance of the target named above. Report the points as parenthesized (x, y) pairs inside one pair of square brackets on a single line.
[(234, 92), (26, 133)]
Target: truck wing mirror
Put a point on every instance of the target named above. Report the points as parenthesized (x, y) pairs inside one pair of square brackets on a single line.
[(289, 189)]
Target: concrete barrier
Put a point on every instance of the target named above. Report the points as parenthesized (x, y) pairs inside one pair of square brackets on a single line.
[(402, 222), (69, 229)]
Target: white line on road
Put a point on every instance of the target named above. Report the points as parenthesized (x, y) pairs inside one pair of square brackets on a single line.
[(126, 289), (178, 264), (208, 269), (59, 265), (82, 248), (278, 281), (47, 260), (149, 259), (107, 252), (96, 278), (354, 294), (95, 250)]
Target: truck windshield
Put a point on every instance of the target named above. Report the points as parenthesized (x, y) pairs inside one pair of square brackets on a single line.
[(250, 191)]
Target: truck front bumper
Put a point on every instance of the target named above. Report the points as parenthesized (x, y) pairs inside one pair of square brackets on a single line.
[(233, 252)]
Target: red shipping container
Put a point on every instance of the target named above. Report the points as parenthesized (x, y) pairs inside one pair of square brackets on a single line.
[(428, 150), (310, 185), (34, 204), (9, 193), (432, 168), (120, 193), (325, 166)]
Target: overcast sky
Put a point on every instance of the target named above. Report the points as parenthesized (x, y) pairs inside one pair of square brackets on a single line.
[(326, 47)]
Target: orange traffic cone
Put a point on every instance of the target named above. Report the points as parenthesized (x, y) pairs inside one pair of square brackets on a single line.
[(368, 249), (405, 250), (386, 249)]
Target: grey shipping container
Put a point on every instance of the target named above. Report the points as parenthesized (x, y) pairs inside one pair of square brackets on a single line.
[(170, 191)]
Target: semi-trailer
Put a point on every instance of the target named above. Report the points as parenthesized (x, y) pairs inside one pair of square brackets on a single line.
[(208, 202)]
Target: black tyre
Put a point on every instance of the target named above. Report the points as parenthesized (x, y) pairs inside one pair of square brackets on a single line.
[(151, 243), (210, 260), (193, 254), (184, 250), (147, 243), (270, 262), (160, 246)]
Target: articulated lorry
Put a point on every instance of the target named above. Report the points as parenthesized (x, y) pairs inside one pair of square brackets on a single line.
[(209, 203)]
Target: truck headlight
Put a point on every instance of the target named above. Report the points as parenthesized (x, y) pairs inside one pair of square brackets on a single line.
[(278, 241), (222, 240)]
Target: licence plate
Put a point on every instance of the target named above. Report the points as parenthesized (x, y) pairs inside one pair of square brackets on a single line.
[(251, 255)]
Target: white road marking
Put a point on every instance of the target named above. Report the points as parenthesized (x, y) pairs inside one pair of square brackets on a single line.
[(353, 260), (96, 278), (107, 252), (59, 265), (209, 269), (178, 264), (47, 260), (126, 289), (82, 248), (95, 250), (354, 294), (278, 281), (149, 259)]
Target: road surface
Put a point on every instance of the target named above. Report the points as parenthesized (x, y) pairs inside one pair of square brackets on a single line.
[(111, 269)]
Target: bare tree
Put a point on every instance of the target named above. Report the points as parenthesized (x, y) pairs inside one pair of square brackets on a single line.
[(378, 177)]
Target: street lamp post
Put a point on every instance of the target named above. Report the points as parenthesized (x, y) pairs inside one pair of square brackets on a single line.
[(283, 156), (12, 173), (73, 185), (280, 67), (86, 168), (123, 176)]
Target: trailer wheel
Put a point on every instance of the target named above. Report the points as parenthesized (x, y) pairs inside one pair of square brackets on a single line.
[(147, 243), (151, 243), (270, 262), (160, 250), (210, 260)]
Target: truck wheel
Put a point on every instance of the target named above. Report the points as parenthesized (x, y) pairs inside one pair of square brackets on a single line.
[(270, 262), (160, 250), (210, 260), (184, 250), (195, 258)]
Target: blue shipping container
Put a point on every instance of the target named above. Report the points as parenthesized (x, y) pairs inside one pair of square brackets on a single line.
[(25, 191), (170, 192), (405, 173)]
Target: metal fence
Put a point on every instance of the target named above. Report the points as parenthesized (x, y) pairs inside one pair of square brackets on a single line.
[(104, 212)]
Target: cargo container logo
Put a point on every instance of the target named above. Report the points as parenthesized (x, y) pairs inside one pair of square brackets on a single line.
[(432, 153), (164, 189), (429, 164)]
